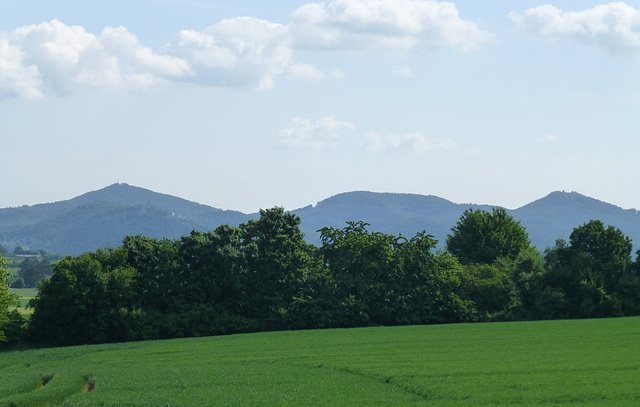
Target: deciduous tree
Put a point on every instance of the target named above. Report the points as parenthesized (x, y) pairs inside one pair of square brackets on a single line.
[(482, 237), (87, 300), (593, 274), (33, 270), (383, 279), (7, 299), (276, 260)]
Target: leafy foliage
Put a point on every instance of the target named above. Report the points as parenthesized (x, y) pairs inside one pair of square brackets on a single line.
[(7, 299), (382, 279), (276, 260), (18, 282), (33, 270), (593, 275), (262, 275), (87, 300), (482, 237), (491, 290)]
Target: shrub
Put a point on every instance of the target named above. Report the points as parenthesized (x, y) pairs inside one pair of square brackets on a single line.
[(18, 283)]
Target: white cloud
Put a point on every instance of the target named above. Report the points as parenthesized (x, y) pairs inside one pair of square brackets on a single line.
[(119, 41), (387, 26), (16, 78), (304, 133), (614, 26), (242, 52), (55, 57), (416, 142), (236, 52), (305, 72)]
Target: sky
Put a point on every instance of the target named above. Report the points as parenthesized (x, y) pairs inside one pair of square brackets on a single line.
[(251, 104)]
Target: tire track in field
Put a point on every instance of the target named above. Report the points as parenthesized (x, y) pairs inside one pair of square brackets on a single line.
[(425, 395), (42, 397)]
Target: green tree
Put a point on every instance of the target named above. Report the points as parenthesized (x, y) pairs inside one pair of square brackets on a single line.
[(7, 299), (378, 278), (593, 275), (18, 283), (87, 300), (490, 288), (361, 265), (158, 278), (276, 259), (431, 284), (3, 250), (482, 237), (33, 270), (532, 298), (213, 265)]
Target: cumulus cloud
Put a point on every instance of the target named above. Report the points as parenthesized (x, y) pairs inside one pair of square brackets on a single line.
[(305, 72), (243, 52), (236, 52), (614, 26), (55, 57), (16, 78), (305, 133), (416, 142), (387, 26)]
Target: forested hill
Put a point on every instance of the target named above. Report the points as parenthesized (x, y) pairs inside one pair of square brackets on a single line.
[(102, 218), (546, 219), (404, 214), (555, 216)]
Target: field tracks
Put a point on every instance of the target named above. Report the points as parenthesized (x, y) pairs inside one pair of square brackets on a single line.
[(40, 390), (386, 380)]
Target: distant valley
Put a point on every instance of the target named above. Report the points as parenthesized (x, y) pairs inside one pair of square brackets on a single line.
[(103, 218)]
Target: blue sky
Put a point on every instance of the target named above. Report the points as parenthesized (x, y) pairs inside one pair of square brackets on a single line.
[(246, 104)]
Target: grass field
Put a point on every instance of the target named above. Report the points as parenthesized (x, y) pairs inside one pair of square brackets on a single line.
[(581, 363), (25, 295)]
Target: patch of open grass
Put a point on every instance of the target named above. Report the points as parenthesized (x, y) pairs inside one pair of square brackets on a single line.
[(25, 294), (587, 362)]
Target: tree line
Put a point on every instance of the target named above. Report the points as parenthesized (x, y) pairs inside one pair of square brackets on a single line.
[(262, 275)]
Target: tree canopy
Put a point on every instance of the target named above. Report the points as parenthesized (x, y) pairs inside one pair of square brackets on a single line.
[(262, 275), (482, 237), (593, 275), (7, 299), (34, 269)]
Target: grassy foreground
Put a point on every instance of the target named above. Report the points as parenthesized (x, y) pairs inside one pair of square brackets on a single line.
[(587, 362)]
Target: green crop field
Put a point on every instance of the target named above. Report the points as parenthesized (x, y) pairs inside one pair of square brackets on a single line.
[(25, 294), (581, 363)]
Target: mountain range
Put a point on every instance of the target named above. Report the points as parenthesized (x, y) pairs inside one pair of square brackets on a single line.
[(103, 218)]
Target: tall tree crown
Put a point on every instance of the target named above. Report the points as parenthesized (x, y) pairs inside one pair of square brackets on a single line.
[(483, 237)]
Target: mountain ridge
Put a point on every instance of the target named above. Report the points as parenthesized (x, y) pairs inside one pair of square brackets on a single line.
[(103, 217)]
